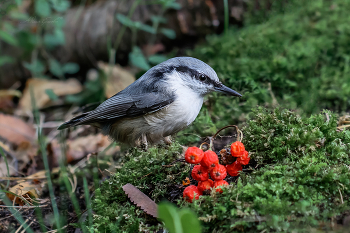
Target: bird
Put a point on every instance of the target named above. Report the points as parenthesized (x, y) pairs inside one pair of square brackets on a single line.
[(162, 102)]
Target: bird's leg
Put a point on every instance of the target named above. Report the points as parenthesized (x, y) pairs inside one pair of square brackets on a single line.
[(167, 140), (144, 144)]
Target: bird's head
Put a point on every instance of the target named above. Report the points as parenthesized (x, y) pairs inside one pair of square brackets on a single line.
[(194, 74)]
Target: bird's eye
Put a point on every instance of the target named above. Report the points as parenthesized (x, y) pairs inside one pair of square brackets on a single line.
[(202, 77)]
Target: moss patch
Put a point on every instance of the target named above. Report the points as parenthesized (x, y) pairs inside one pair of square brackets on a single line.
[(155, 172), (300, 180), (303, 53)]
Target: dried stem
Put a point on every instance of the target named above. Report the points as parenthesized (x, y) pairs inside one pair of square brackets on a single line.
[(239, 133)]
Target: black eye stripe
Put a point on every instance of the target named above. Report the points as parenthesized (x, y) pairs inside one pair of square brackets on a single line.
[(195, 74), (187, 70)]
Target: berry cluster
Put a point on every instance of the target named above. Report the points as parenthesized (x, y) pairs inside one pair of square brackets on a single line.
[(207, 163)]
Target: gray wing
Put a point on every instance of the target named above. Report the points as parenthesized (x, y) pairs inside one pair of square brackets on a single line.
[(123, 105)]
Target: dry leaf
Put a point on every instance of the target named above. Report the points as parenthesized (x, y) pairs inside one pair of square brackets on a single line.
[(117, 78), (60, 88), (29, 188), (24, 153), (19, 158), (4, 146), (15, 130), (6, 97), (141, 200), (81, 146), (3, 167), (186, 181)]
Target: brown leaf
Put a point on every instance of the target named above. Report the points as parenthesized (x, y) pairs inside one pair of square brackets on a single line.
[(18, 159), (3, 169), (80, 147), (141, 200), (15, 130), (117, 78), (30, 187), (60, 88), (6, 97)]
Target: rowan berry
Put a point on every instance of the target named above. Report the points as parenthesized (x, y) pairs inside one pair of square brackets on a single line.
[(194, 155), (191, 192), (210, 159), (237, 149), (234, 169), (205, 186), (218, 184), (200, 173), (244, 159), (218, 172)]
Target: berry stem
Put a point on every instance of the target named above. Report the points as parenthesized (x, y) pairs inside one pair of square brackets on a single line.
[(239, 133), (205, 143)]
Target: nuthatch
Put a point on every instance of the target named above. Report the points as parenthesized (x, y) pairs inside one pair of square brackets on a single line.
[(162, 102)]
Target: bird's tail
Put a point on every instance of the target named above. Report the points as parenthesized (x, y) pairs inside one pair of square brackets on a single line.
[(73, 122)]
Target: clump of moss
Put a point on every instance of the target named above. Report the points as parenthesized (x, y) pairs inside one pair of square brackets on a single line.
[(154, 172), (301, 54), (283, 136), (301, 180)]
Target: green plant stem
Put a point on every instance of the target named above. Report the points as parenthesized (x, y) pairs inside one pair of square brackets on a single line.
[(87, 200), (39, 215), (66, 181), (42, 144)]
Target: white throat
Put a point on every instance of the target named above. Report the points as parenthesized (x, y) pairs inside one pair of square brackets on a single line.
[(188, 103)]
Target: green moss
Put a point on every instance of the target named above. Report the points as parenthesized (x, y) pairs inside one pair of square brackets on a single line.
[(298, 178), (302, 167), (302, 52), (154, 173)]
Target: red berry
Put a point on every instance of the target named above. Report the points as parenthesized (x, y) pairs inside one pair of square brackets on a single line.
[(191, 192), (218, 172), (244, 159), (194, 155), (200, 173), (233, 169), (210, 159), (237, 149), (219, 183), (205, 186)]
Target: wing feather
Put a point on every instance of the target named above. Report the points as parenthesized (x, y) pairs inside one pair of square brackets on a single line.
[(120, 106)]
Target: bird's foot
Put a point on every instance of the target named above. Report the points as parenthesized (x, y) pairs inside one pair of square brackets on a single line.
[(144, 143), (167, 140)]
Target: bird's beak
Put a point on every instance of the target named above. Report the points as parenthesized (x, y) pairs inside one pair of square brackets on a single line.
[(223, 89)]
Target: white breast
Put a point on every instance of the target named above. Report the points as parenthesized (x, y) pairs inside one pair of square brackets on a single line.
[(179, 114), (186, 106)]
